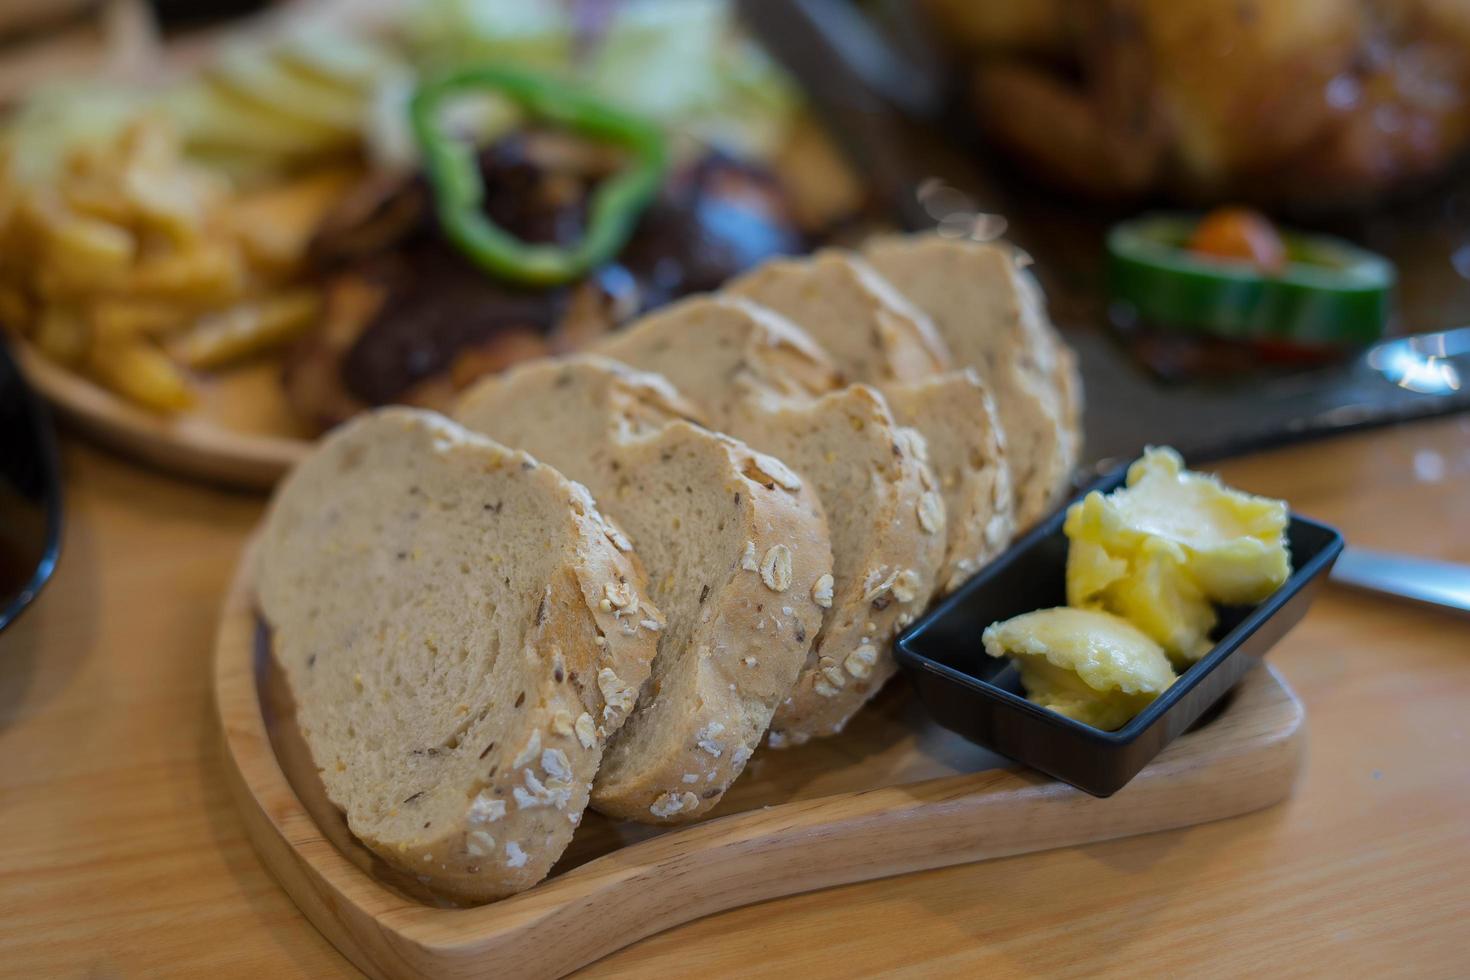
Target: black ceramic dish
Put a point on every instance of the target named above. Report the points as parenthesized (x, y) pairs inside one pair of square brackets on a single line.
[(980, 697), (30, 494)]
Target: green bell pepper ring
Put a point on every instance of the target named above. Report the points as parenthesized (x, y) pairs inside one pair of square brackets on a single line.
[(1330, 294), (459, 191)]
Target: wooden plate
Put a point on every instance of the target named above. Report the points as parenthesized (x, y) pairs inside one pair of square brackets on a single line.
[(240, 434), (893, 794)]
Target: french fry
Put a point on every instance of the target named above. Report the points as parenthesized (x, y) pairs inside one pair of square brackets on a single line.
[(248, 329), (61, 334), (165, 206), (132, 263), (97, 196), (274, 225), (116, 319), (142, 373), (207, 274), (77, 253)]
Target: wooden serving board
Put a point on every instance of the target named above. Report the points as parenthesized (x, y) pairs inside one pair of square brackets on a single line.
[(895, 793)]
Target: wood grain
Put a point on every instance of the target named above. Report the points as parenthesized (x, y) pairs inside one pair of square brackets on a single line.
[(937, 801), (125, 857)]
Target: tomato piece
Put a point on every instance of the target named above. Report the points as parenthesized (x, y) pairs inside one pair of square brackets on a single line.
[(1240, 233)]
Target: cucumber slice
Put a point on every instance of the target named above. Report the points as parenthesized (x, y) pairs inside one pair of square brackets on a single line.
[(1330, 294)]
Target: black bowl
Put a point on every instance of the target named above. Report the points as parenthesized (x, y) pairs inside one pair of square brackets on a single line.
[(980, 697), (30, 494)]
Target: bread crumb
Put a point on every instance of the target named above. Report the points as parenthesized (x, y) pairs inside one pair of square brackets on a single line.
[(749, 560), (931, 512), (706, 738), (778, 471), (822, 592), (531, 750), (586, 733), (874, 585), (485, 809), (514, 856), (860, 662), (537, 794), (776, 568), (556, 765), (620, 595), (906, 585), (671, 803), (619, 697)]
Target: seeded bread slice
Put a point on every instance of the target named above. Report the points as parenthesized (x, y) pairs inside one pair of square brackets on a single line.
[(1057, 360), (885, 514), (874, 335), (434, 603), (967, 452), (735, 546), (871, 332), (974, 294)]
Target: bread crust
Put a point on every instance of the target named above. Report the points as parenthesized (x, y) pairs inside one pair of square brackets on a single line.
[(376, 559), (890, 577), (988, 311), (705, 347), (740, 634), (872, 333), (958, 420), (877, 336)]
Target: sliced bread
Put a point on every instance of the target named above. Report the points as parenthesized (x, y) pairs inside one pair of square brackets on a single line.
[(735, 545), (967, 452), (1055, 359), (871, 332), (885, 514), (983, 309), (876, 336), (435, 601)]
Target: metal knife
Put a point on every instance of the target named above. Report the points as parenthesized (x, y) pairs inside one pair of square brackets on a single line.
[(1441, 585)]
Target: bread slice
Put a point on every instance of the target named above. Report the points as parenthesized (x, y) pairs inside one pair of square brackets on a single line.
[(1058, 361), (436, 602), (735, 546), (974, 294), (874, 335), (885, 514), (871, 332), (967, 452)]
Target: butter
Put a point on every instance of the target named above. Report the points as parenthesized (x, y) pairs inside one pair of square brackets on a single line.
[(1162, 549), (1089, 665)]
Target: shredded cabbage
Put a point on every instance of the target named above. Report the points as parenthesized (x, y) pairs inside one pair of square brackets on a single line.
[(684, 63)]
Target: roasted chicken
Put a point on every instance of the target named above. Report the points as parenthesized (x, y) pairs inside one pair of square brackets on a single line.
[(1316, 101)]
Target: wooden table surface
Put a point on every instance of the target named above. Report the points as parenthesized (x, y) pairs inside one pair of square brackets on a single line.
[(121, 855)]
